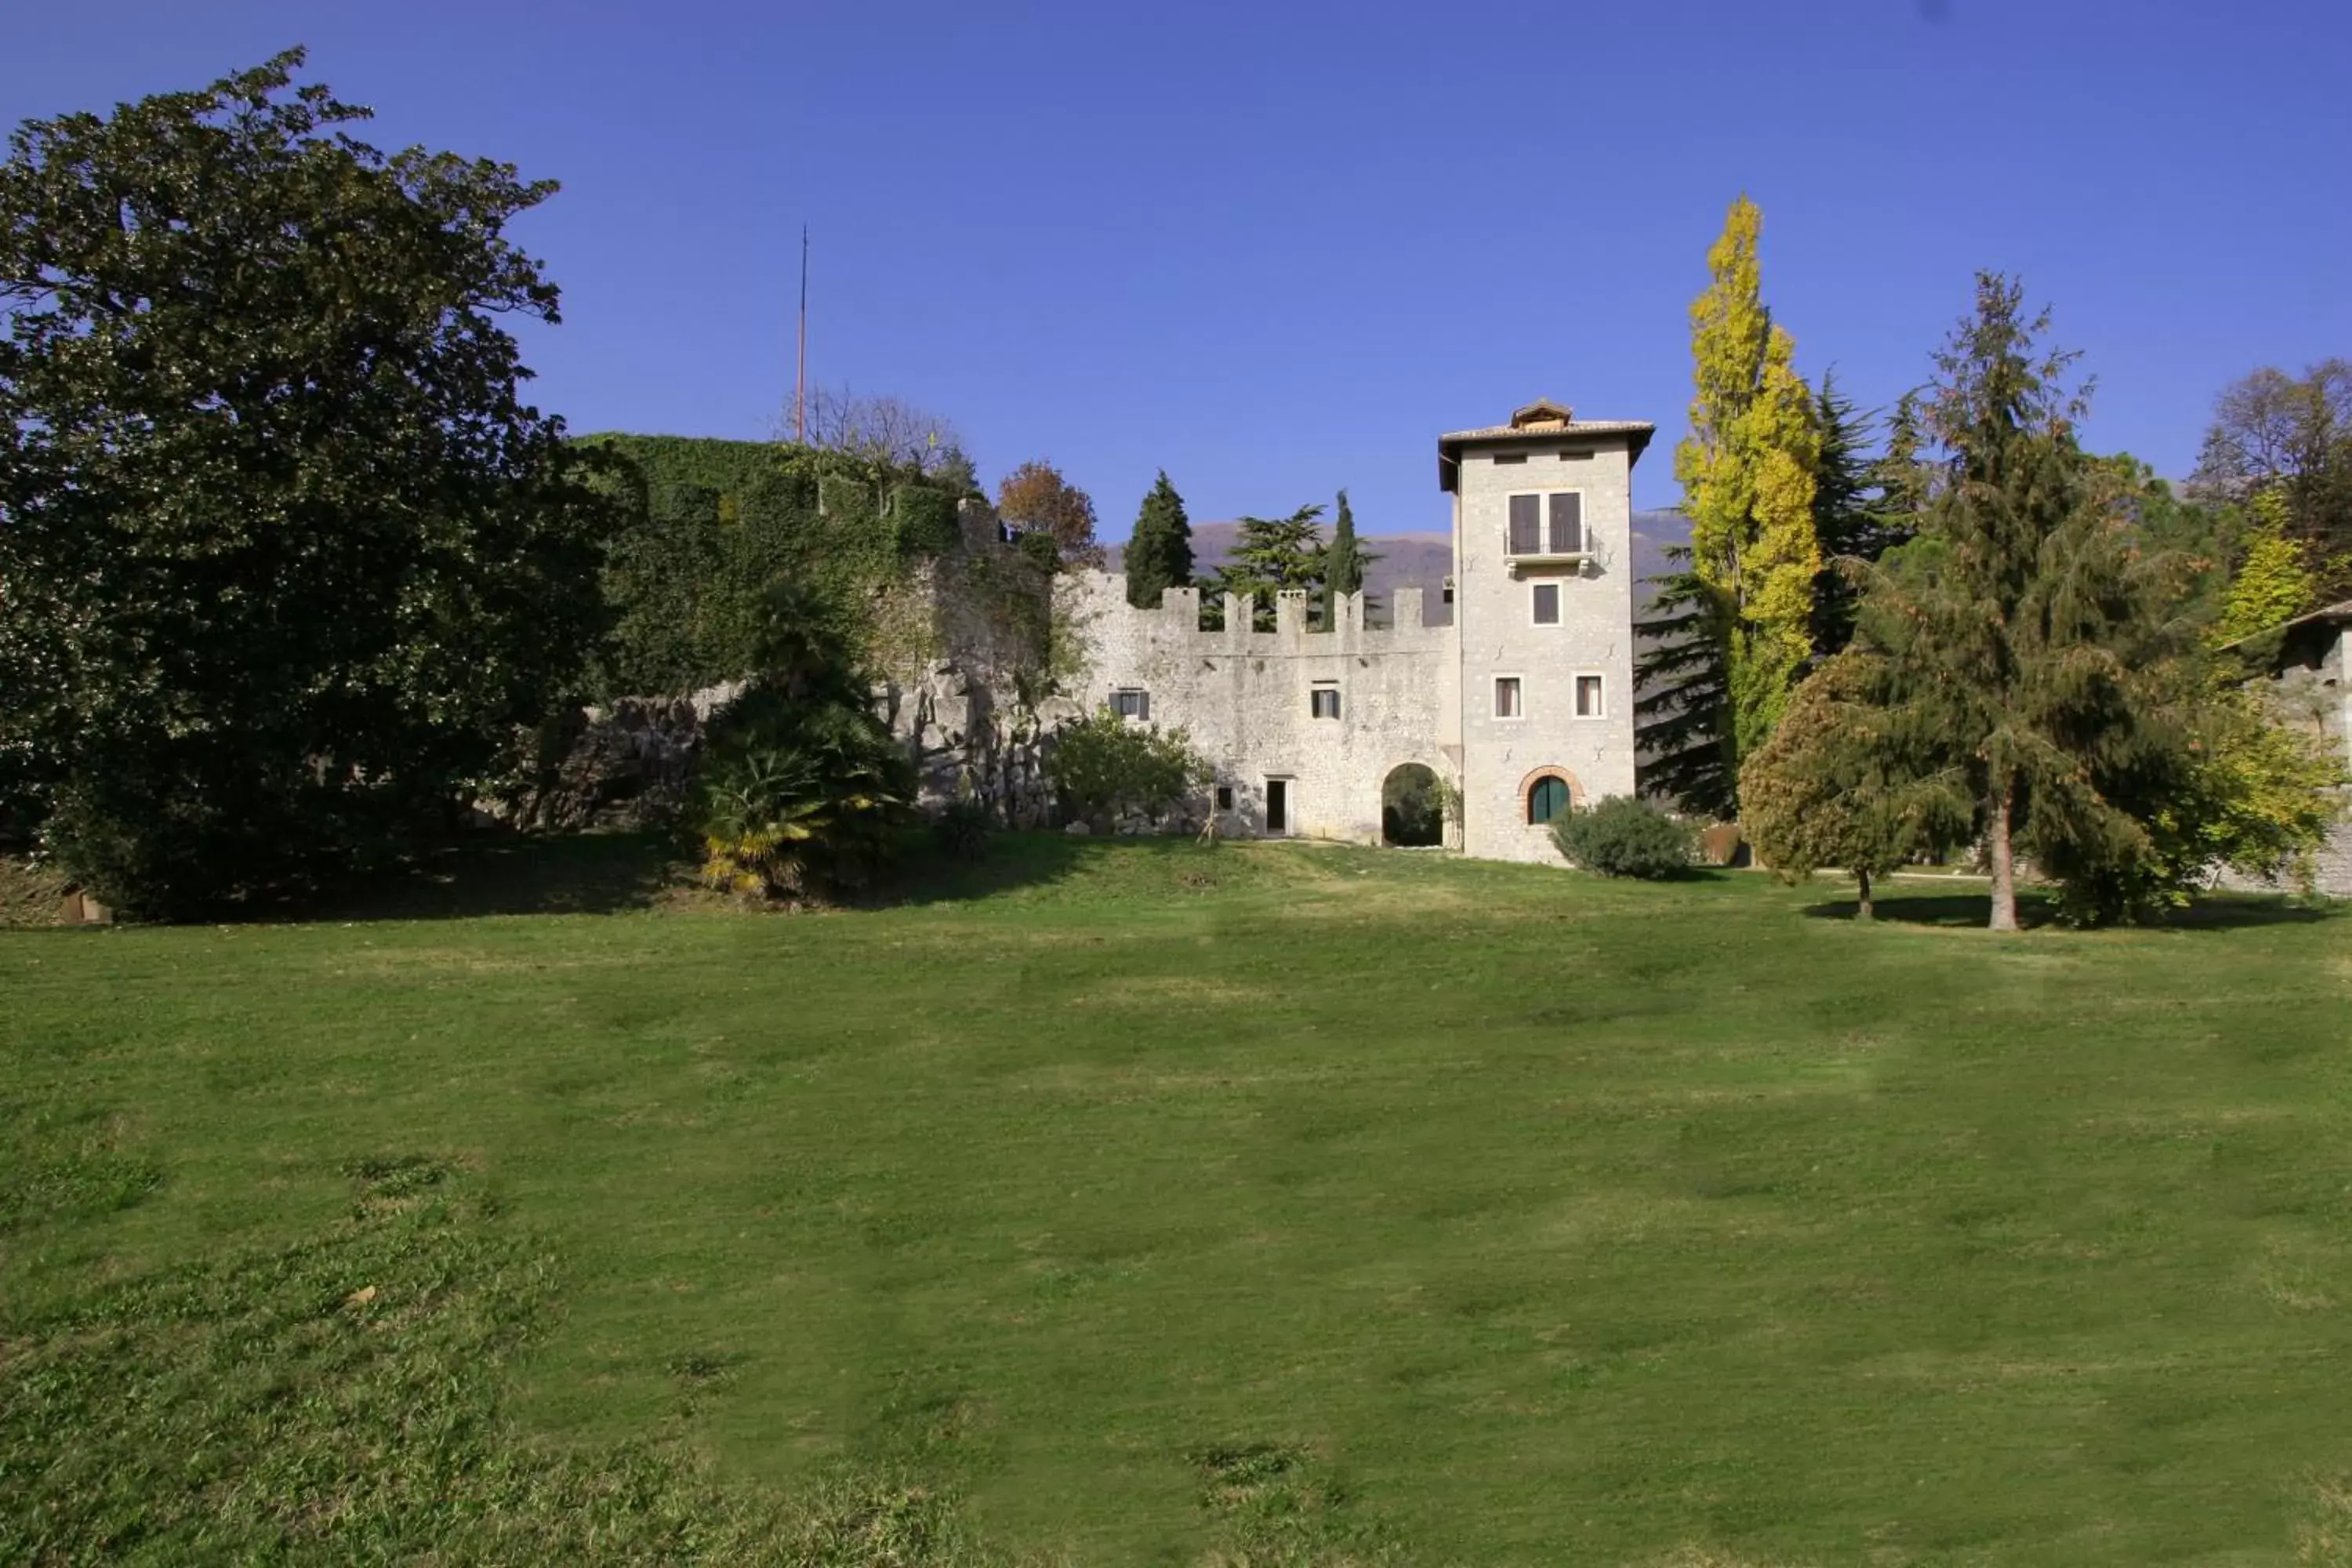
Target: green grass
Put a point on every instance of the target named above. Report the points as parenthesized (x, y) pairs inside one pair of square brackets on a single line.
[(1134, 1202)]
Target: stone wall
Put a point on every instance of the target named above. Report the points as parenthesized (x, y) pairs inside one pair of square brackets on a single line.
[(1245, 696), (2308, 686)]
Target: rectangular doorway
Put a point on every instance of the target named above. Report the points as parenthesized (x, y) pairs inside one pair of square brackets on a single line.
[(1278, 807)]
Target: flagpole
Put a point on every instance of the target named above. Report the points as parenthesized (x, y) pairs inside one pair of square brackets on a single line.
[(800, 368)]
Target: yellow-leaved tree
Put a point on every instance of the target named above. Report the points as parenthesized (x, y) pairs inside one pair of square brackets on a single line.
[(1747, 471)]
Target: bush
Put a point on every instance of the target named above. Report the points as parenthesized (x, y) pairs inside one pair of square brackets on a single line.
[(798, 799), (1624, 836), (964, 828), (1104, 766)]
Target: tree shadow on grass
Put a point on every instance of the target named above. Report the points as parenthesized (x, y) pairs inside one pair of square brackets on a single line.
[(507, 874), (1965, 910), (616, 873), (926, 874)]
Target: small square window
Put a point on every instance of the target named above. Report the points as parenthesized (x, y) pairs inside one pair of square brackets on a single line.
[(1323, 701), (1547, 596), (1588, 697), (1506, 697), (1131, 702), (1225, 797), (1511, 457)]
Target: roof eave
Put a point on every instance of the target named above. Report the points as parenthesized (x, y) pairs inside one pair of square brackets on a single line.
[(1450, 446)]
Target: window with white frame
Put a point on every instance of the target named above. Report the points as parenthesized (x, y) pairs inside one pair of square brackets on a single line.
[(1547, 523), (1323, 699), (1546, 597), (1506, 697), (1588, 697), (1131, 702)]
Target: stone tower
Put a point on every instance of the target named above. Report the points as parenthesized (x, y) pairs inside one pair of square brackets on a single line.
[(1543, 614)]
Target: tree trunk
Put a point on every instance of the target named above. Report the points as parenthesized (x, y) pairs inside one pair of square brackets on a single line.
[(1861, 909), (2004, 871)]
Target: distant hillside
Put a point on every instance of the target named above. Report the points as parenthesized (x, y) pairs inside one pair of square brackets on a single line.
[(1422, 559)]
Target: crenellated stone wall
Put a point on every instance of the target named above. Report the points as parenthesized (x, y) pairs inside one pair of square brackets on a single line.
[(1245, 696)]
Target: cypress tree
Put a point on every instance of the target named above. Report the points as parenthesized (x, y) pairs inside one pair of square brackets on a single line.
[(1343, 563), (1159, 555)]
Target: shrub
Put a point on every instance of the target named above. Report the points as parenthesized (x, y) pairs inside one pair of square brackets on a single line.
[(798, 799), (964, 828), (1624, 836), (1040, 549), (1104, 766)]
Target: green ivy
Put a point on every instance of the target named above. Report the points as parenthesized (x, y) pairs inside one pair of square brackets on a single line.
[(712, 526)]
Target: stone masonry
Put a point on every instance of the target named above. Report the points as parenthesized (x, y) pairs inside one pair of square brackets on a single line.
[(1532, 681)]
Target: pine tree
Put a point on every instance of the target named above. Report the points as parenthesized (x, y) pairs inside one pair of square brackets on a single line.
[(1683, 719), (1860, 510), (1747, 475), (2029, 635), (1272, 555), (1160, 554)]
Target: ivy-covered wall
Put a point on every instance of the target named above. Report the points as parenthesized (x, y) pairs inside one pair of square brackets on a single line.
[(711, 525)]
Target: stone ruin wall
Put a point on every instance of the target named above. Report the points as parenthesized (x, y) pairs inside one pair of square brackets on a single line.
[(1242, 696)]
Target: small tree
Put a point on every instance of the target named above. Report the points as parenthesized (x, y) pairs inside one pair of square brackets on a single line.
[(1345, 560), (1831, 788), (888, 432), (1625, 836), (1035, 499), (2273, 585), (1105, 767), (1160, 554), (1271, 555)]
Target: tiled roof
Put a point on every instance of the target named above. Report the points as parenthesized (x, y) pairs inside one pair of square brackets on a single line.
[(1637, 434), (1551, 432)]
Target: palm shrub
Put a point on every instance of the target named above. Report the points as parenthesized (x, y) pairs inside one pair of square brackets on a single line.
[(800, 787), (799, 801), (1625, 836)]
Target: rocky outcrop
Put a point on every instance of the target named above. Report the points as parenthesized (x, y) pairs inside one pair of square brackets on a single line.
[(628, 765)]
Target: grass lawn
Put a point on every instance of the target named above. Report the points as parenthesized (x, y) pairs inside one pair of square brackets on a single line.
[(1133, 1203)]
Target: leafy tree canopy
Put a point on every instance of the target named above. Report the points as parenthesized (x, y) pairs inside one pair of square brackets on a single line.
[(285, 552), (1034, 498), (1274, 555)]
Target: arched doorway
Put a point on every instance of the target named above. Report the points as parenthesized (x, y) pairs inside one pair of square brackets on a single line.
[(1413, 811), (1546, 794)]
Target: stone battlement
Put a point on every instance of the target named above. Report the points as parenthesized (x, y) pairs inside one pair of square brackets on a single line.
[(1173, 625)]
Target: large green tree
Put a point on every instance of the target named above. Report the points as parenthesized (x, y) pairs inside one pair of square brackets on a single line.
[(1158, 555), (1748, 471), (285, 556), (2026, 626)]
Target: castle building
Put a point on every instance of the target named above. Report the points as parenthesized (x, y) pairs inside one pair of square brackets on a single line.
[(1522, 704)]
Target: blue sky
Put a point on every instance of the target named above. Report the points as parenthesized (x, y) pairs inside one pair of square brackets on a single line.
[(1277, 248)]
